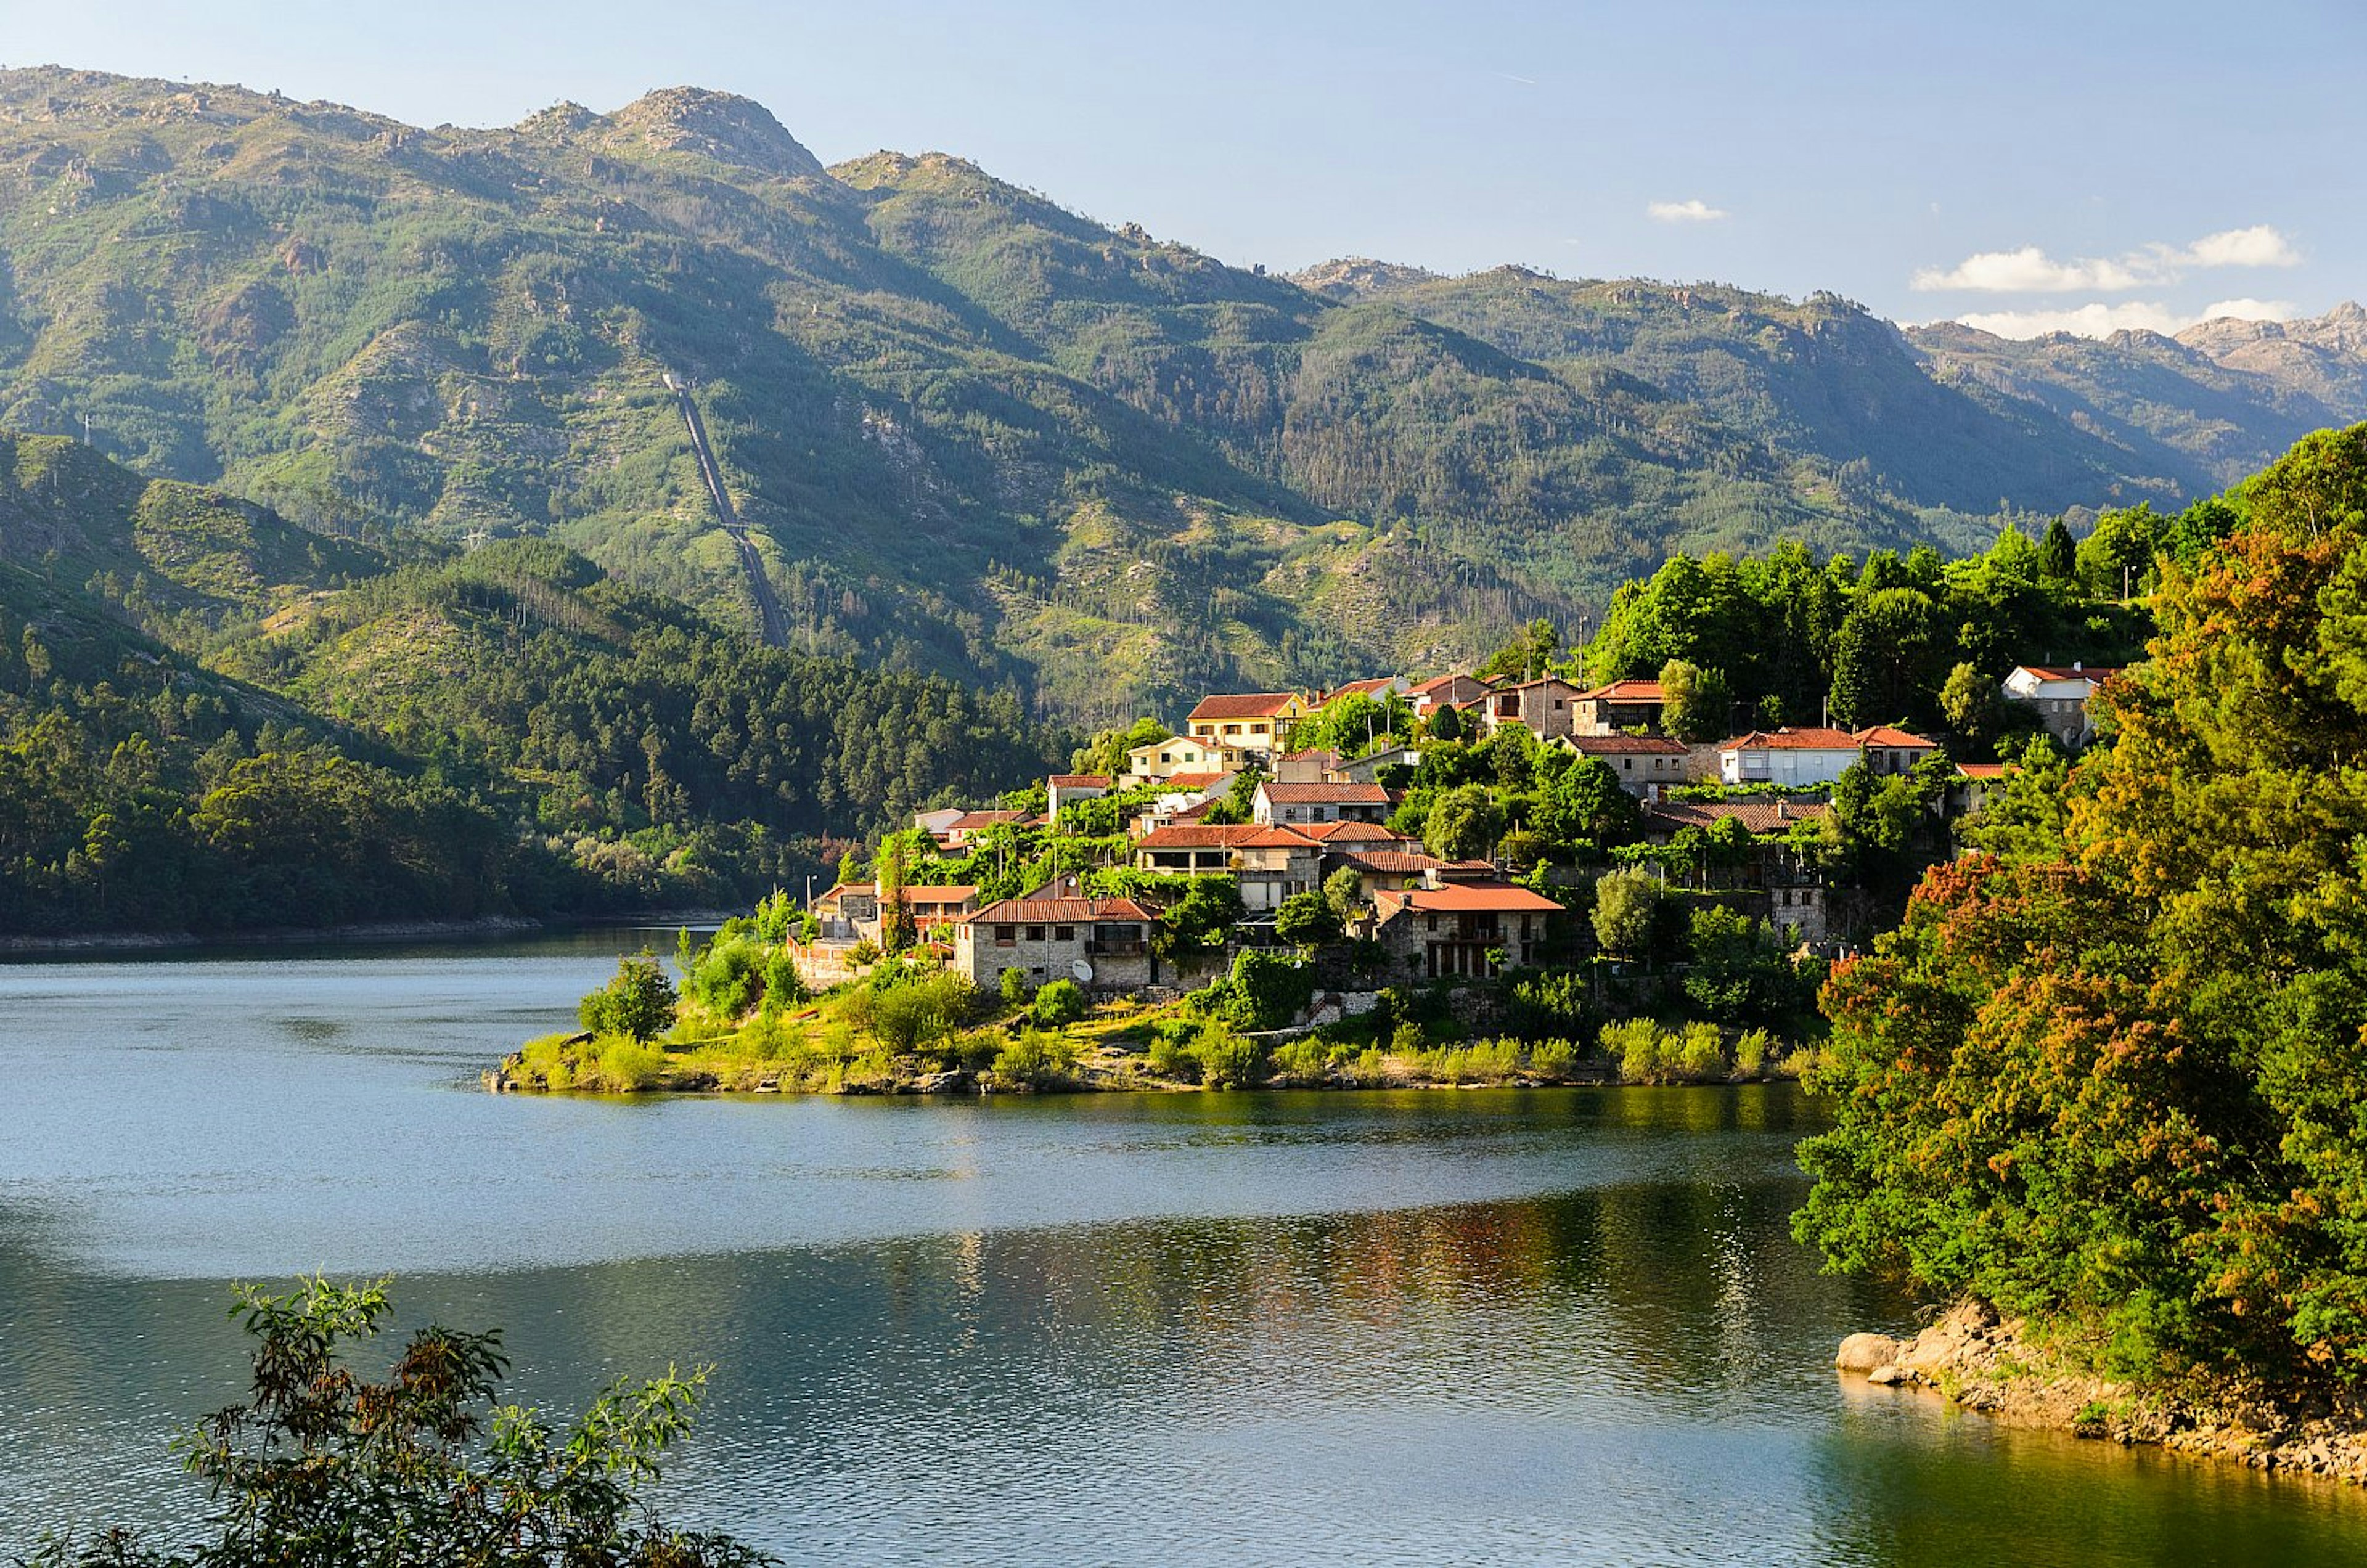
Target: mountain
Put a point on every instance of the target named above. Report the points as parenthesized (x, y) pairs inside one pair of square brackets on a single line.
[(962, 429), (2203, 409)]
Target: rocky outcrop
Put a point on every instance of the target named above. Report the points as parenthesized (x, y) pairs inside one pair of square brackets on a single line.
[(1979, 1361)]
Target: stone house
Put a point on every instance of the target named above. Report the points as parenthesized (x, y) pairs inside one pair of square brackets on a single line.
[(850, 912), (2058, 694), (1648, 765), (1454, 691), (1617, 705), (1289, 804), (1432, 933), (1104, 944), (1546, 706)]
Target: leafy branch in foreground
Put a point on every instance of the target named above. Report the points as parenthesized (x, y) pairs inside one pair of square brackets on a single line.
[(321, 1466)]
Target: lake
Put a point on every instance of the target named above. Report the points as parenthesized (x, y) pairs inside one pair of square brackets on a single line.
[(1493, 1326)]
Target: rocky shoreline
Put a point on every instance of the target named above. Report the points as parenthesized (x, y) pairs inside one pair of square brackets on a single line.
[(1980, 1361)]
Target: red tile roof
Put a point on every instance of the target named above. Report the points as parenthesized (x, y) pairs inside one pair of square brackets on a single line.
[(1081, 780), (1806, 738), (1627, 692), (1369, 688), (1058, 912), (1244, 705), (1328, 759), (1474, 897), (1325, 793), (1392, 860), (1194, 780), (1277, 839), (1895, 738), (1982, 770), (1335, 832), (917, 893), (1438, 682)]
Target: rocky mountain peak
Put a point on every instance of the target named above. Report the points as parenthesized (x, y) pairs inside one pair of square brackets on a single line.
[(722, 126), (1360, 277)]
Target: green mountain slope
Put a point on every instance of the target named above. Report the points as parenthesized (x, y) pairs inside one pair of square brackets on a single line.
[(969, 431)]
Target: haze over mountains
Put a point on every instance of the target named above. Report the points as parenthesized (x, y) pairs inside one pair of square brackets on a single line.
[(972, 431)]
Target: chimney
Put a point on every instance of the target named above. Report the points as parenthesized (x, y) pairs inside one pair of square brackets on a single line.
[(2074, 667)]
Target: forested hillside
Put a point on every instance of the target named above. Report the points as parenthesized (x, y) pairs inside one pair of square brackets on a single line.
[(971, 431), (251, 725)]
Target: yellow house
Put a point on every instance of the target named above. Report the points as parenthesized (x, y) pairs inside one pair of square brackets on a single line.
[(1180, 754), (1250, 721)]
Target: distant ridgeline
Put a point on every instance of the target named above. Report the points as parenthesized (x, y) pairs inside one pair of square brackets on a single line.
[(213, 720), (973, 432)]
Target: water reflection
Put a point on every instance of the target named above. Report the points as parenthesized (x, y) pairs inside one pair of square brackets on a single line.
[(1552, 1326)]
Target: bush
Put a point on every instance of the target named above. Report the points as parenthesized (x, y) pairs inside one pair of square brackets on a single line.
[(625, 1066), (1303, 1060), (1267, 991), (1037, 1059), (319, 1465), (1228, 1059), (1700, 1053), (1554, 1059), (1171, 1053), (1750, 1053), (1060, 1004), (919, 1012), (1015, 988)]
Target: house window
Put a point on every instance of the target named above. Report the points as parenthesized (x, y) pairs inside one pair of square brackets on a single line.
[(1429, 923), (1035, 934), (1629, 763), (1003, 935), (1064, 934), (1232, 729)]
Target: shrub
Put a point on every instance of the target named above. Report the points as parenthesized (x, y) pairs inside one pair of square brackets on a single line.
[(919, 1012), (1172, 1055), (1060, 1004), (1307, 919), (1015, 988), (626, 1066), (1635, 1044), (1229, 1059), (1554, 1059), (1037, 1059), (1267, 990), (1304, 1059), (1750, 1053), (1700, 1053)]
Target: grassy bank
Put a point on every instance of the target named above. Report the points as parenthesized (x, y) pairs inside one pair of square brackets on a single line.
[(908, 1040)]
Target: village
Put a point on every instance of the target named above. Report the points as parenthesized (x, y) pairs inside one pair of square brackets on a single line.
[(1312, 845)]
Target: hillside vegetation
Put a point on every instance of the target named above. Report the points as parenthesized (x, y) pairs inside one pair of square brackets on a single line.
[(971, 431)]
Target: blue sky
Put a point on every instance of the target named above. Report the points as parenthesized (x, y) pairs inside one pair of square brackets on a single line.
[(2020, 164)]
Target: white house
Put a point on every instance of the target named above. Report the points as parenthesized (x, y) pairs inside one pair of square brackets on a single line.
[(1804, 756)]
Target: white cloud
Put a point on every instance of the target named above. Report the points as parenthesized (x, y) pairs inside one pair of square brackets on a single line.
[(2259, 245), (2097, 319), (2027, 271), (1697, 211), (2031, 270)]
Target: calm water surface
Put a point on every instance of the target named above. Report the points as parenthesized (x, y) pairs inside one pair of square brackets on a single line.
[(1545, 1327)]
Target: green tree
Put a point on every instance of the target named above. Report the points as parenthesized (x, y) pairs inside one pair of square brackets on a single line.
[(1970, 702), (320, 1464), (1446, 724), (638, 1001), (1306, 919), (1344, 890), (1626, 908), (2058, 556), (1699, 704), (1210, 908), (1463, 824)]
